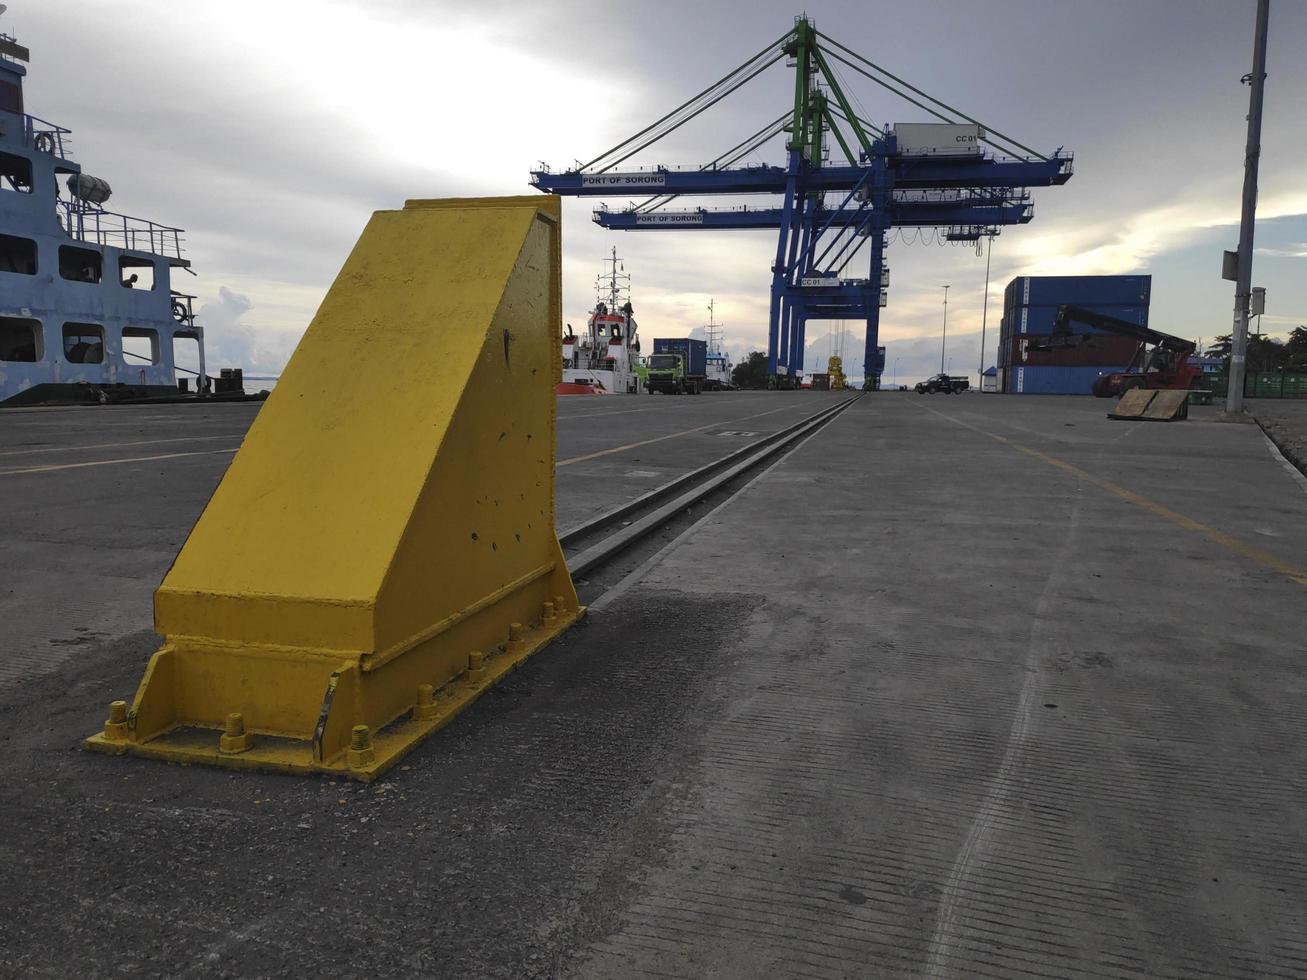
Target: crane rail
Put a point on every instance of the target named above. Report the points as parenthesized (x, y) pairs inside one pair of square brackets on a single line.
[(592, 544)]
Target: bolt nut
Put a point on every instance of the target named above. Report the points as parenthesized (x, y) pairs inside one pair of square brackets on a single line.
[(516, 632), (476, 670), (115, 726), (360, 751), (426, 706), (235, 739), (547, 612), (560, 604)]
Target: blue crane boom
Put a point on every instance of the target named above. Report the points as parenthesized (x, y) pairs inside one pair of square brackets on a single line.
[(910, 216), (891, 177), (909, 173)]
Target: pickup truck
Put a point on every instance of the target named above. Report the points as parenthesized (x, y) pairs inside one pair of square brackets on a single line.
[(944, 383)]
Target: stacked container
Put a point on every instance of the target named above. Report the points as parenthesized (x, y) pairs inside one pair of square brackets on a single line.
[(1029, 308)]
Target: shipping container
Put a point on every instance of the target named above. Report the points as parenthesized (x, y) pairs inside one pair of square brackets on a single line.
[(694, 353), (1040, 319), (1093, 349), (1091, 291), (1055, 380)]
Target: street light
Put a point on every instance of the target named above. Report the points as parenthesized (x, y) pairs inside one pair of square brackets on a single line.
[(894, 372), (944, 339), (984, 315)]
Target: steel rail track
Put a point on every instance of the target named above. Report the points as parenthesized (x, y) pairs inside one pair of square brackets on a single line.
[(648, 512)]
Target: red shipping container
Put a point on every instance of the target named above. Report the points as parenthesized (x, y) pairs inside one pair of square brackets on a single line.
[(1090, 350)]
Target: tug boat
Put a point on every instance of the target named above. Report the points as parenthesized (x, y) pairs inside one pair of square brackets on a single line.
[(605, 359), (718, 371), (87, 308)]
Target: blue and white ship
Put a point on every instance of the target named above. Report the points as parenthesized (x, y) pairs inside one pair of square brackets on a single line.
[(87, 308)]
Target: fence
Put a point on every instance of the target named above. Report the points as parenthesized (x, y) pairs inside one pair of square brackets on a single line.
[(1261, 384)]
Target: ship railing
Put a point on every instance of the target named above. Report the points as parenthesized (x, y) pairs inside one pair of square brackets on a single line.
[(46, 137), (119, 230), (183, 309)]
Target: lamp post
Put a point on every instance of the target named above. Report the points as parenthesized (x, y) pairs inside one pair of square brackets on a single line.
[(943, 342), (984, 315), (894, 373)]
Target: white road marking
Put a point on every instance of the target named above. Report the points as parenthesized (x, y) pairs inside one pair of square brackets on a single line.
[(110, 462), (114, 445)]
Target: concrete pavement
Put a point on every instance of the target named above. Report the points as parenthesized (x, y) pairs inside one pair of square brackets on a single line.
[(1034, 713), (970, 686)]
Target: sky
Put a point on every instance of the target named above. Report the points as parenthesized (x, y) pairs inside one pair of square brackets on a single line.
[(271, 130)]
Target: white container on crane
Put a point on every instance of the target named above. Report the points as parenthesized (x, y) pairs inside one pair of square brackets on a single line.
[(938, 139)]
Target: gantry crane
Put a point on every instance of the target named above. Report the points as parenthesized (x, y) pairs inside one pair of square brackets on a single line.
[(905, 176)]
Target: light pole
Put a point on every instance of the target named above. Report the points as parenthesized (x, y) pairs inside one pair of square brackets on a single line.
[(984, 316), (1244, 266), (943, 342), (895, 372)]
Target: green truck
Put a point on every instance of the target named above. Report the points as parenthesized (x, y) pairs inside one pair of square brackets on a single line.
[(677, 366)]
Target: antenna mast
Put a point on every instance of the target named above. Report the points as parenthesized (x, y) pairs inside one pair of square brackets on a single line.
[(714, 330), (614, 283)]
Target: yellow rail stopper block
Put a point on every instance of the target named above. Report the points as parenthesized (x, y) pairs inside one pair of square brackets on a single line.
[(382, 548)]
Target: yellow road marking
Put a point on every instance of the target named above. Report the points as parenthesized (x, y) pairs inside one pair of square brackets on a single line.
[(112, 445), (1229, 542), (110, 462), (673, 435)]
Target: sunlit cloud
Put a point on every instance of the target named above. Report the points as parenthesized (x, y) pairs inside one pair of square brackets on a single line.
[(1298, 251)]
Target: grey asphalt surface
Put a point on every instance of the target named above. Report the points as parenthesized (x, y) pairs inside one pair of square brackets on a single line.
[(99, 500), (963, 686)]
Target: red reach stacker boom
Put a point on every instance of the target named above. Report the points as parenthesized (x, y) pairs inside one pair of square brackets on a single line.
[(1160, 361)]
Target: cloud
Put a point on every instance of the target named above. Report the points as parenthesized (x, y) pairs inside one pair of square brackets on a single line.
[(229, 342), (1297, 251), (275, 138)]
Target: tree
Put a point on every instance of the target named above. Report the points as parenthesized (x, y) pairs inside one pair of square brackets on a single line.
[(751, 372), (1264, 353), (1295, 349)]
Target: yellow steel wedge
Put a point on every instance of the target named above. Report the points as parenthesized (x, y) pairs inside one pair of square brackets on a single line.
[(382, 548)]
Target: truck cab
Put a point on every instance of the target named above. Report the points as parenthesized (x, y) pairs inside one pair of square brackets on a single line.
[(666, 373)]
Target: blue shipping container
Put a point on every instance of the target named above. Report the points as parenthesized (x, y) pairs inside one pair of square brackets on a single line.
[(1039, 319), (1081, 290), (695, 352), (1055, 380)]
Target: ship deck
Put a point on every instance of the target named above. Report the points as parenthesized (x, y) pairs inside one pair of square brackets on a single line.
[(961, 686)]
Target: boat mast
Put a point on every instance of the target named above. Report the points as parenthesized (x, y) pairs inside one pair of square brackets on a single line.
[(714, 330)]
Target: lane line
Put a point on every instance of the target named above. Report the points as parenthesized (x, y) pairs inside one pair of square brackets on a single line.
[(673, 435), (111, 462), (117, 445), (1256, 555)]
